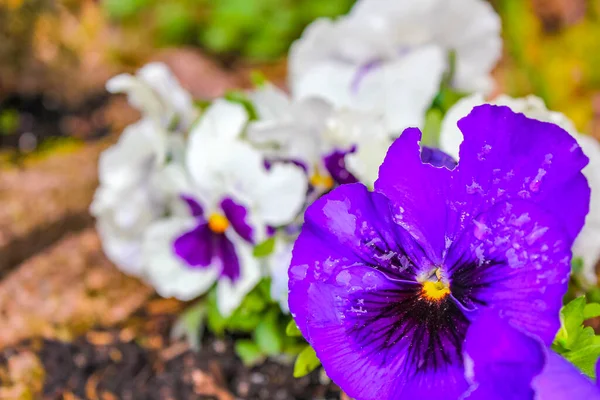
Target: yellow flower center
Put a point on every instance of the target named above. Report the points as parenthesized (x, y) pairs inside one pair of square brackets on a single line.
[(218, 223), (435, 290), (322, 181)]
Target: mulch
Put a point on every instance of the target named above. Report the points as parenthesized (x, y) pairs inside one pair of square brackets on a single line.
[(138, 361)]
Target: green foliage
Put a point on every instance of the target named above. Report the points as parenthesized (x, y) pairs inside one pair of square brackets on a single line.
[(292, 329), (260, 318), (444, 100), (238, 96), (257, 29), (265, 248), (190, 325), (174, 24), (249, 352), (576, 342), (268, 334), (9, 121), (306, 362)]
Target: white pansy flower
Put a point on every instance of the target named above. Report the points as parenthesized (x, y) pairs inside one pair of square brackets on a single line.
[(232, 200), (587, 244), (157, 94), (127, 201), (278, 263), (334, 145), (389, 56)]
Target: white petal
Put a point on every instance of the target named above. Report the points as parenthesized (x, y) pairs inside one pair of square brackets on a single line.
[(364, 163), (155, 91), (317, 43), (330, 80), (139, 94), (230, 296), (223, 119), (173, 180), (279, 263), (177, 100), (403, 89), (223, 166), (587, 245), (281, 194), (271, 103), (450, 136), (170, 276), (472, 28), (134, 153), (124, 251)]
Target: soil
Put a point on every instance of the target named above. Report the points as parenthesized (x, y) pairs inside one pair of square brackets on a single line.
[(137, 361), (41, 118)]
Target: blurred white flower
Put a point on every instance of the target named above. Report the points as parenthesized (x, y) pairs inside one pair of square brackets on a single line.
[(278, 263), (389, 56), (233, 199), (587, 245), (127, 201), (157, 94), (333, 145)]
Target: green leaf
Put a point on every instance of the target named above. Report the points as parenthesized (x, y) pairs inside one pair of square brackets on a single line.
[(268, 334), (591, 310), (571, 319), (306, 362), (258, 79), (265, 248), (577, 265), (585, 359), (9, 121), (431, 130), (239, 97), (216, 322), (190, 324), (292, 329), (249, 352)]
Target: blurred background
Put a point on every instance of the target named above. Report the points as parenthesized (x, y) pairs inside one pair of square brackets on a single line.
[(101, 328)]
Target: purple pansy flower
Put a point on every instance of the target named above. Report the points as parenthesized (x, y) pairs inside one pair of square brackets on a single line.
[(506, 363), (385, 284)]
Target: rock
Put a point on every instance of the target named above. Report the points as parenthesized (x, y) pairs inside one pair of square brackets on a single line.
[(43, 199), (200, 75), (66, 290)]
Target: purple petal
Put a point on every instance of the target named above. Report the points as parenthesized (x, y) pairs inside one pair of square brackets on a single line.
[(354, 296), (560, 380), (503, 360), (515, 258), (237, 216), (226, 258), (195, 247), (437, 158), (195, 208), (336, 166), (507, 155), (418, 192)]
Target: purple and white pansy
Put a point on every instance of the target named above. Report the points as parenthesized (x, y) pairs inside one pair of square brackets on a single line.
[(229, 202), (389, 56), (587, 245), (385, 285), (335, 145)]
